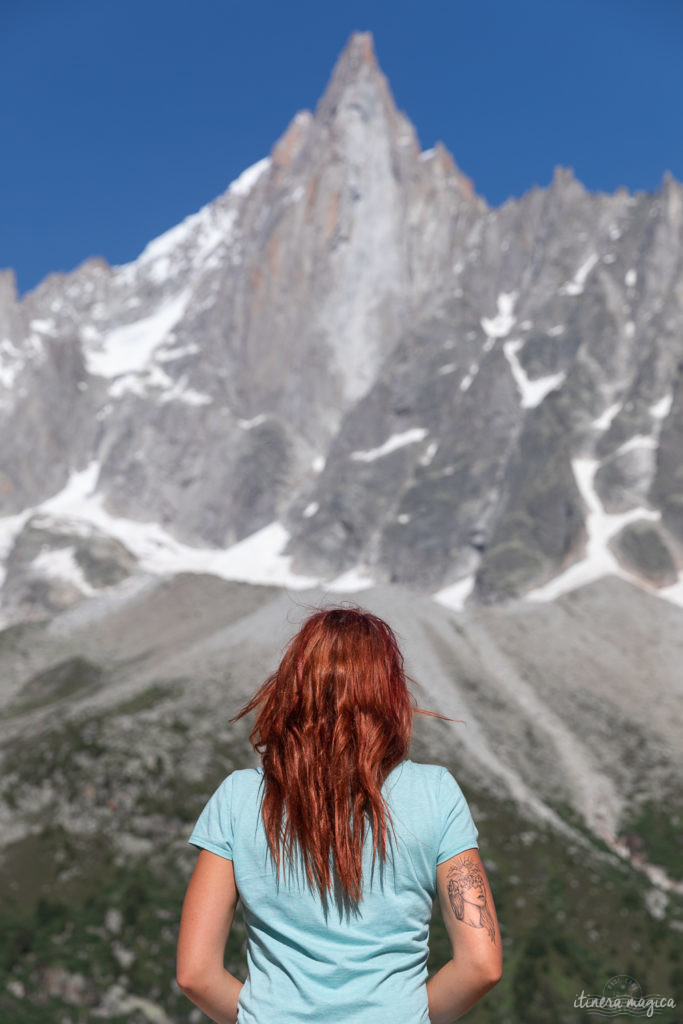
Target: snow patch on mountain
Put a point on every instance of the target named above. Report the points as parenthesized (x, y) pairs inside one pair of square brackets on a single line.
[(604, 420), (532, 392), (466, 382), (661, 409), (14, 357), (243, 185), (255, 421), (199, 234), (502, 323), (256, 559), (61, 564), (352, 580), (12, 362), (427, 457), (576, 285), (601, 526), (129, 348), (455, 594), (169, 355), (43, 326), (635, 442), (390, 445)]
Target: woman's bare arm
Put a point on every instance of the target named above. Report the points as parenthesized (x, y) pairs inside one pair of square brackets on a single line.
[(205, 923), (470, 918)]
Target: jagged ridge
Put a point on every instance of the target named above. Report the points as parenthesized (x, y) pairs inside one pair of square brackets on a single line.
[(350, 351)]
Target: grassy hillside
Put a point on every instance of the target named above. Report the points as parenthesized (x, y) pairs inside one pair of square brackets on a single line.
[(96, 885)]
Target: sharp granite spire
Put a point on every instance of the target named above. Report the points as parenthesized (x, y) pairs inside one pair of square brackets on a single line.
[(350, 351)]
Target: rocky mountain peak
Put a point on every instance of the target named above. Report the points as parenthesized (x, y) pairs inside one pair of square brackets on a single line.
[(358, 91), (291, 143), (8, 287), (672, 193), (350, 351), (356, 63)]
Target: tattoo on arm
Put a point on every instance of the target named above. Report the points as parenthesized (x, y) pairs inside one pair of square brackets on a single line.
[(467, 896)]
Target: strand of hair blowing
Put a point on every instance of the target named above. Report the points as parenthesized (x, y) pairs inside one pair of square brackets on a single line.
[(334, 719)]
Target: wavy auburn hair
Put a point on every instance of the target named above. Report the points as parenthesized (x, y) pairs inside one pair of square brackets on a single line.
[(333, 720)]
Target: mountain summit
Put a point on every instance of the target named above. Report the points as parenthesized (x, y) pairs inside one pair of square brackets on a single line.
[(349, 370)]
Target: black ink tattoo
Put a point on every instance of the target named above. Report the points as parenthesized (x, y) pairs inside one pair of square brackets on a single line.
[(467, 895)]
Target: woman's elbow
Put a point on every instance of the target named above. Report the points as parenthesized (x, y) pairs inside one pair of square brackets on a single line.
[(487, 970), (491, 972), (184, 981), (493, 975), (190, 981)]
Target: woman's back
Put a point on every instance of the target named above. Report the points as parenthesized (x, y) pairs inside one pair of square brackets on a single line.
[(315, 959), (337, 846)]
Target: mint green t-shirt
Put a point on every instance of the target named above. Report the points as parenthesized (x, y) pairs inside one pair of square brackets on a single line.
[(321, 961)]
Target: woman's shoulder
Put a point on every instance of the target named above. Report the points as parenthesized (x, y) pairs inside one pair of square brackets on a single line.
[(431, 771), (242, 781), (418, 776), (246, 776)]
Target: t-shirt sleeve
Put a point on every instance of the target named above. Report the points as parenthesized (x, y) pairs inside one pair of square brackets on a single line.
[(214, 828), (457, 829)]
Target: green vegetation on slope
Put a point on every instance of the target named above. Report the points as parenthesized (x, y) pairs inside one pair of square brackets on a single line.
[(96, 887)]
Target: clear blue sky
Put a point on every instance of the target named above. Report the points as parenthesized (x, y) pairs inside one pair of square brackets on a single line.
[(121, 117)]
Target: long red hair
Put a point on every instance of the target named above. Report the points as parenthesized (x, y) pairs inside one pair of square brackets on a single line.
[(334, 719)]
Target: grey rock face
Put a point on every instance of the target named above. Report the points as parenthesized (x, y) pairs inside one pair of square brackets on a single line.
[(642, 550), (667, 486), (52, 565), (351, 343)]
